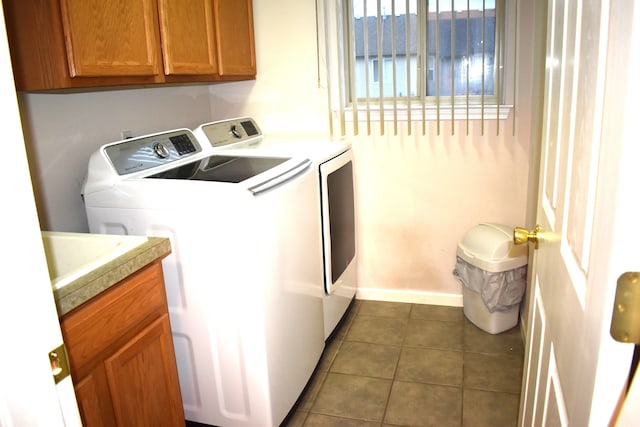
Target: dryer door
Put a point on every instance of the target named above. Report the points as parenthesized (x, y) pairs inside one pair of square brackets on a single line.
[(338, 218)]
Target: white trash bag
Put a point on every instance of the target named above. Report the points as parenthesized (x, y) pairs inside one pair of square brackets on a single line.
[(500, 291)]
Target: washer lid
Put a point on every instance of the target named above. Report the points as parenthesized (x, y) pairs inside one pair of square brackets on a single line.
[(490, 247), (231, 169)]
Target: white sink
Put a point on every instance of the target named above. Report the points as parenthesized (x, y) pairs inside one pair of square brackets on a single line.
[(72, 255)]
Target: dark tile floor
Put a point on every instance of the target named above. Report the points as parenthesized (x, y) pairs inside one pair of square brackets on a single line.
[(395, 364)]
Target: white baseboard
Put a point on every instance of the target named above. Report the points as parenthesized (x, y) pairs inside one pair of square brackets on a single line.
[(409, 296)]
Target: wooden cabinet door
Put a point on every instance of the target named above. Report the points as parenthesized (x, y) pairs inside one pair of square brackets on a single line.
[(121, 355), (94, 400), (111, 37), (186, 30), (142, 382), (234, 37), (136, 385)]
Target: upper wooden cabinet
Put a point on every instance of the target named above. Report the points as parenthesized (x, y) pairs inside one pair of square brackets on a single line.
[(188, 35), (59, 44), (110, 38), (234, 33)]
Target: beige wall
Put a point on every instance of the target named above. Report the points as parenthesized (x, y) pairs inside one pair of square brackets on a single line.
[(418, 195)]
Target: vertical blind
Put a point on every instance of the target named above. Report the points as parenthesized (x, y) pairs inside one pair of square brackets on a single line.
[(419, 61)]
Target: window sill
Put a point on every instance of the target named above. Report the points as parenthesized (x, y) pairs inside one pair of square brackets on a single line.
[(431, 113)]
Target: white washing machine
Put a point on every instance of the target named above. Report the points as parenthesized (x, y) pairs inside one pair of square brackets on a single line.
[(333, 163), (245, 305)]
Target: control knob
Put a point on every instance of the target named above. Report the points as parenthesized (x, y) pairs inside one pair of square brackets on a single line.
[(235, 132), (160, 150)]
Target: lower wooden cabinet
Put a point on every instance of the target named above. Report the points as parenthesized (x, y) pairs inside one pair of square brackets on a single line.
[(121, 355)]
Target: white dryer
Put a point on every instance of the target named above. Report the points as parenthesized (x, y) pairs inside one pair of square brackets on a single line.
[(244, 301), (333, 162)]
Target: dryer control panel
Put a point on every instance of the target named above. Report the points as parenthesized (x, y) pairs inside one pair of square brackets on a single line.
[(138, 154), (239, 131)]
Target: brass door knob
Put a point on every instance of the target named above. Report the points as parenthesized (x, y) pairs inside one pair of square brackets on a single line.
[(625, 321), (522, 236)]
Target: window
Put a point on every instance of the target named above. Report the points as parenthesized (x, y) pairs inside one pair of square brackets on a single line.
[(429, 55), (455, 38), (386, 69)]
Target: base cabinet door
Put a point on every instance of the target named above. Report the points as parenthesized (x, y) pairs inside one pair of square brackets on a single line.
[(141, 383), (94, 401), (121, 355)]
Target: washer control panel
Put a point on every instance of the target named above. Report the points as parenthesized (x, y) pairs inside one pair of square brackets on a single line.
[(233, 131), (138, 154)]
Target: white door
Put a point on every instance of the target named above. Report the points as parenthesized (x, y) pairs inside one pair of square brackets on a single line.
[(575, 373), (29, 326)]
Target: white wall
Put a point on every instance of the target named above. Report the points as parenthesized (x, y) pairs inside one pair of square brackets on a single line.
[(62, 130), (416, 196), (286, 95)]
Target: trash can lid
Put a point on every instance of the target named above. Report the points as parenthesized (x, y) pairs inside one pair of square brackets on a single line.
[(490, 247)]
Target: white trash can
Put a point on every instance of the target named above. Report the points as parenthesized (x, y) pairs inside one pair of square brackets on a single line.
[(493, 274)]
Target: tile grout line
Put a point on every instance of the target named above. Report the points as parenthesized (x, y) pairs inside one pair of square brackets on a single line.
[(464, 350), (395, 369)]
